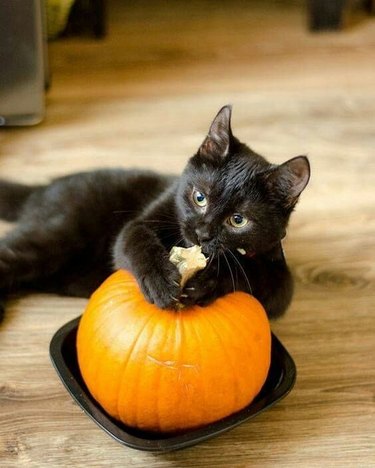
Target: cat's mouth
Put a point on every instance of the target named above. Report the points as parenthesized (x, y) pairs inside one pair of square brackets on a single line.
[(213, 248), (208, 250), (245, 253), (208, 247)]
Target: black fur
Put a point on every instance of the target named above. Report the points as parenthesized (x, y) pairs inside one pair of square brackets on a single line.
[(72, 233)]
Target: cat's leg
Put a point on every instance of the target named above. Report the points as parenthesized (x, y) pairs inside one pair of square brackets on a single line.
[(139, 250), (13, 197), (267, 277), (19, 263), (142, 247), (273, 283), (277, 299), (33, 251)]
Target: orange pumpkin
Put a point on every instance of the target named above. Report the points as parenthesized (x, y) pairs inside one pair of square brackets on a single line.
[(165, 371)]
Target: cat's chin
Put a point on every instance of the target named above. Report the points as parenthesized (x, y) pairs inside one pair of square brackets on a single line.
[(189, 243), (207, 251)]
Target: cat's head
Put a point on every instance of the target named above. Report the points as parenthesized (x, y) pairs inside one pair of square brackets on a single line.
[(231, 198)]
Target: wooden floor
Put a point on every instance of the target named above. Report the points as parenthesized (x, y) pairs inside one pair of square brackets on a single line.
[(144, 97)]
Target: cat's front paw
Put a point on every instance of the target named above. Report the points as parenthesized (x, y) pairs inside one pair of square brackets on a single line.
[(164, 289), (201, 290)]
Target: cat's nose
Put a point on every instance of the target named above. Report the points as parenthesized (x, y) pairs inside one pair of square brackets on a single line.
[(203, 234)]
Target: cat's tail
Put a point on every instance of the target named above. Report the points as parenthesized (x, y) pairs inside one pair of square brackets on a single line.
[(12, 199)]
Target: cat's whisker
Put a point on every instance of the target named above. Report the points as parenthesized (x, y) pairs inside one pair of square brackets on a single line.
[(167, 216), (167, 228), (230, 271), (175, 230), (162, 221), (210, 258), (124, 211), (242, 271), (178, 241)]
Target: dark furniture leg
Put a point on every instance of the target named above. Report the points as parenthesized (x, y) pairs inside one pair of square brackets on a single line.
[(325, 14), (87, 17), (99, 16), (370, 6)]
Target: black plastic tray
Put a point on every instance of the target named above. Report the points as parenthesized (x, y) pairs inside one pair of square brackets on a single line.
[(280, 381)]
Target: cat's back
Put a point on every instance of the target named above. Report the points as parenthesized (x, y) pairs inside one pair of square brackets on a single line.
[(100, 193), (119, 183)]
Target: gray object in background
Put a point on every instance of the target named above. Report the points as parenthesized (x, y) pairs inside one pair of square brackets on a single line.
[(23, 62)]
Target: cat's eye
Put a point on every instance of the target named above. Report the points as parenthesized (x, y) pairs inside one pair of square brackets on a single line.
[(238, 221), (199, 198)]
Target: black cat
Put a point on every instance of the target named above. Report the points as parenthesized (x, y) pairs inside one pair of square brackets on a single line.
[(71, 234)]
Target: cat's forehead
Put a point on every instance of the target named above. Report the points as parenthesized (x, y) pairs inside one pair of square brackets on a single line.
[(230, 187), (229, 177)]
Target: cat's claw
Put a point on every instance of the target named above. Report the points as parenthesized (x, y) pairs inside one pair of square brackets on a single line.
[(199, 290), (162, 287)]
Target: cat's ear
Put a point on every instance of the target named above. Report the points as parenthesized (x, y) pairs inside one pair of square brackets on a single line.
[(290, 179), (217, 142)]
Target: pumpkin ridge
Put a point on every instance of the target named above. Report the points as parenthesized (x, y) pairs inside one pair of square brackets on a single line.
[(224, 311), (216, 333), (98, 356), (240, 333), (108, 313), (157, 383), (229, 359), (180, 345), (99, 299), (123, 369), (136, 377), (198, 340), (100, 359)]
